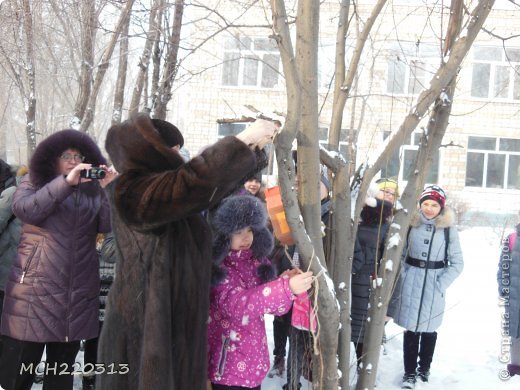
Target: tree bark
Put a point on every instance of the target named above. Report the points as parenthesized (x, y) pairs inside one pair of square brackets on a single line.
[(88, 34), (164, 94), (103, 66), (119, 94), (152, 36), (30, 94)]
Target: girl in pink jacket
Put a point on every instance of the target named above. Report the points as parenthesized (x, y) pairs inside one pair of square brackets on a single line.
[(237, 340)]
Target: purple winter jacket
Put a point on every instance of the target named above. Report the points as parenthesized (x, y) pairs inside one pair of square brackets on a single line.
[(53, 287), (237, 340)]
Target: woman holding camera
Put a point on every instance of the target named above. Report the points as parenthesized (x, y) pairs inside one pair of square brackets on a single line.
[(51, 297)]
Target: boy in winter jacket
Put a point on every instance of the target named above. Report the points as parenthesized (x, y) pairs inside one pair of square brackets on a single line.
[(237, 340)]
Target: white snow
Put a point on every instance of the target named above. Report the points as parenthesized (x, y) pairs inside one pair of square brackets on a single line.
[(469, 344), (468, 353)]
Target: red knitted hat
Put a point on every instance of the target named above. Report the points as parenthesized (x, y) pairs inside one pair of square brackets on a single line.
[(433, 192)]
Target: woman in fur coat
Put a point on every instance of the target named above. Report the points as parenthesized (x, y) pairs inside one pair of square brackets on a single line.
[(51, 297), (432, 261), (155, 329), (238, 354)]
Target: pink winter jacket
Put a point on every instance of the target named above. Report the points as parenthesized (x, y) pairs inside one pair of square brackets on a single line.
[(237, 340)]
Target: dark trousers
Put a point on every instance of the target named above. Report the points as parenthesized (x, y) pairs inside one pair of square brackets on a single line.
[(91, 346), (1, 309), (300, 357), (224, 387), (418, 345), (281, 327), (20, 359)]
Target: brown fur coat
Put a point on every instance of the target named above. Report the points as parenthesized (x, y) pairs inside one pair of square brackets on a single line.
[(157, 310)]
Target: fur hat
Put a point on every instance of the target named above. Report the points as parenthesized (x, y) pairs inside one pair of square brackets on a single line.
[(234, 213), (169, 132), (387, 183), (144, 143), (433, 192)]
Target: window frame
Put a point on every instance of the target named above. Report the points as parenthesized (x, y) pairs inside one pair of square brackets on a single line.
[(256, 54), (492, 76), (411, 144), (425, 57), (486, 153)]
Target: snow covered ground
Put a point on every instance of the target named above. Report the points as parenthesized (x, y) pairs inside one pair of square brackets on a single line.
[(470, 340)]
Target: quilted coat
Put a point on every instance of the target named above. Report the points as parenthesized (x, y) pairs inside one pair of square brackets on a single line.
[(156, 317), (420, 301), (10, 229), (238, 352), (370, 241), (508, 277), (52, 290)]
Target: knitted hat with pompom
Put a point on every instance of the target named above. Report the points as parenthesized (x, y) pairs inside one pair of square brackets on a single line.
[(433, 192)]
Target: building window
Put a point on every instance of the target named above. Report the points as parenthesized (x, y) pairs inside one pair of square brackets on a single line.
[(225, 129), (327, 61), (496, 73), (323, 139), (401, 163), (493, 163), (411, 67), (250, 62)]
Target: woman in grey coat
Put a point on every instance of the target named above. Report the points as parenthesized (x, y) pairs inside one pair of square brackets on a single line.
[(432, 260)]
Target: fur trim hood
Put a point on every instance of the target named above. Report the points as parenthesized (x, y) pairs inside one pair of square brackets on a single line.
[(137, 144), (43, 166), (235, 213), (445, 219)]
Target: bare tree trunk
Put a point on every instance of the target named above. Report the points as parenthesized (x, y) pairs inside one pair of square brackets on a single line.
[(154, 80), (152, 36), (170, 63), (328, 315), (30, 96), (341, 91), (119, 94), (325, 375), (103, 66), (339, 243), (88, 34), (389, 269)]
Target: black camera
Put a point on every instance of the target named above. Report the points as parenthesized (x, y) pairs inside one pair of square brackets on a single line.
[(93, 173)]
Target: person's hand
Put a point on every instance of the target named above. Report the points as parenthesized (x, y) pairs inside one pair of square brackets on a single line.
[(259, 134), (301, 282), (74, 178), (111, 174)]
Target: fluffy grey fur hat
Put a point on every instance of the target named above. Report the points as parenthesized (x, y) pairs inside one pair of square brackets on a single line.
[(235, 213)]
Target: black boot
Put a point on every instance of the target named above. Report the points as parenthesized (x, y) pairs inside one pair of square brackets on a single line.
[(89, 383), (427, 348), (359, 355), (410, 352)]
